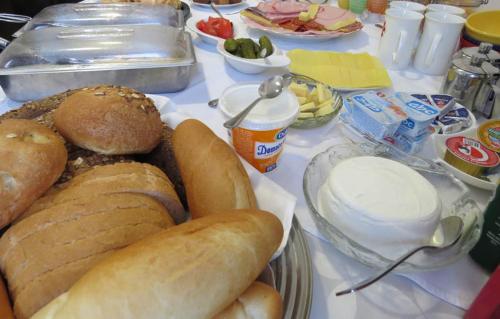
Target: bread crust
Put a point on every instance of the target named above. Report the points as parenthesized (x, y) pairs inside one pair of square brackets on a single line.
[(213, 176), (44, 254), (193, 270), (32, 159), (130, 177), (259, 301), (109, 120)]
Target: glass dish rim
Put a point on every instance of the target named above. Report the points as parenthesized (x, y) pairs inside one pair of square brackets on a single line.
[(407, 267)]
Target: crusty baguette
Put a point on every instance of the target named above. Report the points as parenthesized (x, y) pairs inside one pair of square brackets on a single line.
[(5, 308), (214, 178), (44, 254), (259, 301), (193, 270), (32, 158)]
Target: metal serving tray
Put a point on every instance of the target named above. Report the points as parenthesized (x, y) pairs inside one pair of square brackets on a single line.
[(149, 58), (87, 14)]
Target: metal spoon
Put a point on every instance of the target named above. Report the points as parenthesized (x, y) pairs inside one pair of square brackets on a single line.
[(452, 230), (213, 103), (215, 9), (269, 89)]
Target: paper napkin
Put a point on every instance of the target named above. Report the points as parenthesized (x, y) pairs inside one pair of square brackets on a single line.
[(270, 196), (340, 70)]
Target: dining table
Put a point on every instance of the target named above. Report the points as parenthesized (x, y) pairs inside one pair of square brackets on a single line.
[(443, 293)]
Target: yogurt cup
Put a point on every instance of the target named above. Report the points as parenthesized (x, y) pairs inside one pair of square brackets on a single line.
[(260, 137)]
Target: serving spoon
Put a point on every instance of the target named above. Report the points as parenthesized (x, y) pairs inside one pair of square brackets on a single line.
[(451, 226), (269, 89)]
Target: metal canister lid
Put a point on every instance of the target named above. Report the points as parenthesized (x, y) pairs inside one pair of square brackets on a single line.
[(484, 50), (470, 66)]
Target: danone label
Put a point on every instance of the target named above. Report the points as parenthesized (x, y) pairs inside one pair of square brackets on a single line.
[(260, 148)]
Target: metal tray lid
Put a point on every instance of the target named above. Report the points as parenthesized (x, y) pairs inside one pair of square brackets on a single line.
[(97, 48), (85, 14)]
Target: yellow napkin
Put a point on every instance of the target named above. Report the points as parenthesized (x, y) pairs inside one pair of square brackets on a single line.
[(340, 70)]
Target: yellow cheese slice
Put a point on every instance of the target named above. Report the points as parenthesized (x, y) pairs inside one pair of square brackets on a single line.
[(340, 24), (312, 11)]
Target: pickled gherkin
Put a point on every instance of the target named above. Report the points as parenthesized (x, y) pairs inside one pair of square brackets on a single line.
[(231, 45), (247, 48), (265, 43)]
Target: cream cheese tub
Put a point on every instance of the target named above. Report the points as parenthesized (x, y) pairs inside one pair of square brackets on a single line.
[(382, 204), (260, 137)]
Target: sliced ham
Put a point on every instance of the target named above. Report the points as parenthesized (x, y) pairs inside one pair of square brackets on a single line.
[(328, 15), (280, 7)]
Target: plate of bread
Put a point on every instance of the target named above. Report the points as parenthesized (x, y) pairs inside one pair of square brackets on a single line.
[(106, 212)]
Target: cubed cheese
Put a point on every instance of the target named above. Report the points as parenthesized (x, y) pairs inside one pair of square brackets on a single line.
[(325, 110), (305, 115), (308, 107), (299, 89), (302, 99)]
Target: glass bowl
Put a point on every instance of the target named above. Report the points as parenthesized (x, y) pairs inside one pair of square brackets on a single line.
[(453, 193), (318, 121)]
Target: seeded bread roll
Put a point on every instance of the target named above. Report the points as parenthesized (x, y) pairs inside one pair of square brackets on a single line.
[(194, 270), (213, 176), (109, 120), (44, 254), (32, 157)]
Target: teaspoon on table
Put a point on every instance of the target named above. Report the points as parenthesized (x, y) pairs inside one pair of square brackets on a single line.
[(451, 226), (269, 89)]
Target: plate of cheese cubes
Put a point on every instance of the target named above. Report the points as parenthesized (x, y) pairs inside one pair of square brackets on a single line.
[(318, 103)]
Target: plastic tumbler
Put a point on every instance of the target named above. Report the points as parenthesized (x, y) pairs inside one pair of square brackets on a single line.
[(357, 6), (344, 4), (377, 6)]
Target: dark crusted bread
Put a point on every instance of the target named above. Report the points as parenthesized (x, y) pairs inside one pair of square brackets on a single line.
[(80, 160)]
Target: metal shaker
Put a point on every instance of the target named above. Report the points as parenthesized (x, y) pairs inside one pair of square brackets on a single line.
[(464, 80), (484, 50)]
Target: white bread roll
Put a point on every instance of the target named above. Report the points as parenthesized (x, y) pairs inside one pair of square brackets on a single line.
[(193, 270), (259, 301), (32, 157), (44, 254), (214, 178), (117, 178), (109, 120)]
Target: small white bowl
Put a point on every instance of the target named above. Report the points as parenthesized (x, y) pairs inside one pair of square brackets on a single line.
[(435, 7), (254, 66), (205, 37)]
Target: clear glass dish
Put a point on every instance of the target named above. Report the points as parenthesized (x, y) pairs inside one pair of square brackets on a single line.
[(317, 121), (453, 193)]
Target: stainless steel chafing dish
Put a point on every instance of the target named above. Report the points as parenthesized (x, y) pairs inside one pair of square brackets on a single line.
[(149, 58), (86, 14)]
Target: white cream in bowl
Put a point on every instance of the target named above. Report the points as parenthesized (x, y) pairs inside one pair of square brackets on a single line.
[(381, 204)]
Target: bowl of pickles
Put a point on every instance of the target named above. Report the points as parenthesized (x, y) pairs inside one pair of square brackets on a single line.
[(318, 103), (252, 56)]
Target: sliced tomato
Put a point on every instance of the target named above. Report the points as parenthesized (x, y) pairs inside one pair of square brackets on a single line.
[(218, 27)]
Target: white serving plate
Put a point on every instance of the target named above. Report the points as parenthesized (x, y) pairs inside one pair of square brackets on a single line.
[(282, 33), (254, 66), (230, 5), (207, 38), (438, 141)]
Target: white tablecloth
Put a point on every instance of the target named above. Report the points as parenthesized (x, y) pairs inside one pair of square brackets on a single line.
[(392, 297)]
